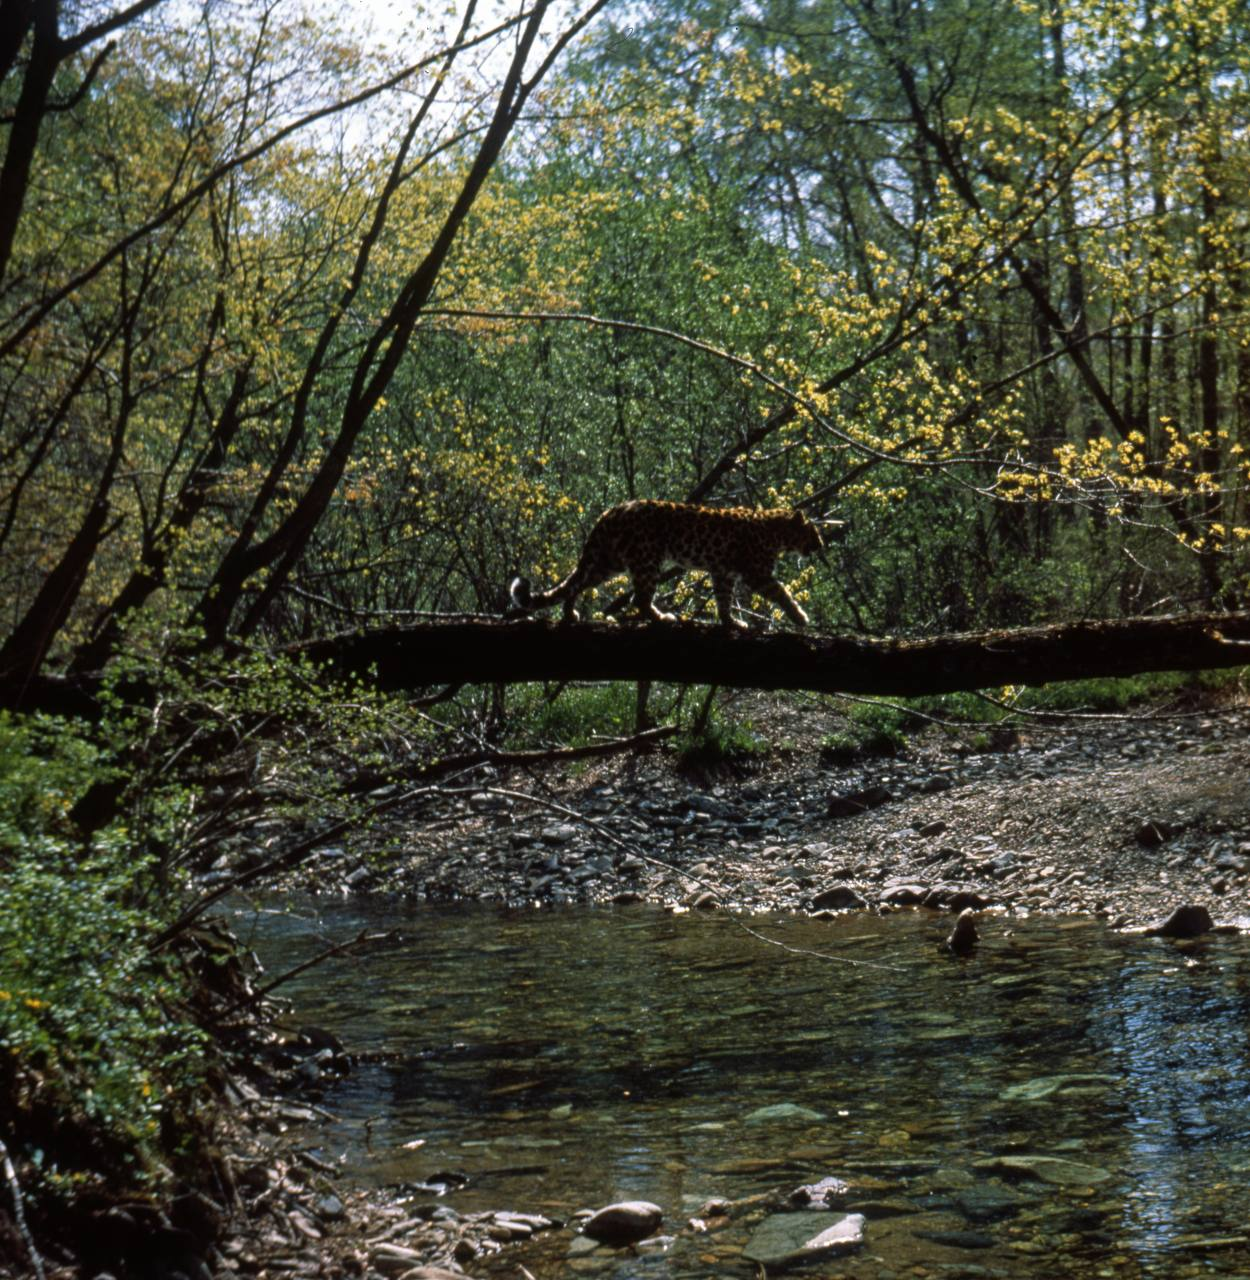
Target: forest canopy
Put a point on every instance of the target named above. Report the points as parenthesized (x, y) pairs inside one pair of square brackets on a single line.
[(313, 335), (296, 332)]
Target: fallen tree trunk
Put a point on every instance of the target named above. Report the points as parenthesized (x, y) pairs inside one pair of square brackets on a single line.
[(457, 652)]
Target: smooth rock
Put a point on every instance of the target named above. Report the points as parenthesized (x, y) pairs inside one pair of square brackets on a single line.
[(1151, 834), (987, 1203), (814, 1195), (853, 802), (623, 1223), (1044, 1086), (904, 893), (1051, 1169), (1189, 921), (964, 936), (781, 1112), (392, 1259), (790, 1239), (838, 897)]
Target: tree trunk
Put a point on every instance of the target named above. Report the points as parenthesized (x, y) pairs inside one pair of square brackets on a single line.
[(689, 653)]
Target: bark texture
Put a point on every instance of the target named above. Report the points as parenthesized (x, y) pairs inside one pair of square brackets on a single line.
[(514, 651)]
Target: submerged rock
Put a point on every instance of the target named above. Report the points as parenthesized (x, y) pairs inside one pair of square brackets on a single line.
[(1044, 1086), (782, 1111), (1051, 1169), (624, 1223), (790, 1239)]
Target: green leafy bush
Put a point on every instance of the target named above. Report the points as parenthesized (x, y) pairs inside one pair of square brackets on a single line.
[(96, 1059)]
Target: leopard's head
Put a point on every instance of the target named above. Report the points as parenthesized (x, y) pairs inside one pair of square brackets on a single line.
[(805, 536)]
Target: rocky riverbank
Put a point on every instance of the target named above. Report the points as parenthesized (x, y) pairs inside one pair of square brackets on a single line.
[(1124, 817)]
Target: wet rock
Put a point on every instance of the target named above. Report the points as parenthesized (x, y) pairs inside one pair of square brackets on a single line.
[(958, 1239), (987, 1203), (782, 1112), (1046, 1086), (1051, 1169), (815, 1195), (393, 1259), (850, 803), (885, 1207), (624, 1223), (790, 1239), (838, 897), (962, 899), (964, 936), (330, 1208), (904, 894), (1189, 921), (1152, 833)]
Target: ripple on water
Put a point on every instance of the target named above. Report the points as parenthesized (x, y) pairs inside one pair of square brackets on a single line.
[(1065, 1102)]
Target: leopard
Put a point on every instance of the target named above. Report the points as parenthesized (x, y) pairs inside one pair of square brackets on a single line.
[(641, 537)]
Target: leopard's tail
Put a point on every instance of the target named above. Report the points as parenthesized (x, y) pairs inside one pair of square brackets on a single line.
[(525, 599)]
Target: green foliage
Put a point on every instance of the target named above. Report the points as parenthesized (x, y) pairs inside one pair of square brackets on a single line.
[(572, 716), (97, 1062), (721, 746)]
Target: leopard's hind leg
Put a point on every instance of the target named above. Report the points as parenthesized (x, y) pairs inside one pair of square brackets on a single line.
[(645, 576)]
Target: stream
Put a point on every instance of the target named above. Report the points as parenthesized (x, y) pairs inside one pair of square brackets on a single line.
[(1067, 1101)]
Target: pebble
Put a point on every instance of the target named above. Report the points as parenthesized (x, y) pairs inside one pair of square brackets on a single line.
[(818, 827)]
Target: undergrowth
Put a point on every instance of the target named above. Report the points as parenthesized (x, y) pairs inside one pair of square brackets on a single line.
[(99, 1067)]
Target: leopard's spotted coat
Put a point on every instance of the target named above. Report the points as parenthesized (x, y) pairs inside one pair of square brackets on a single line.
[(729, 543)]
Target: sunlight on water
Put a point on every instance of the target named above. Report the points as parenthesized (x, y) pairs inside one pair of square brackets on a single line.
[(1065, 1102)]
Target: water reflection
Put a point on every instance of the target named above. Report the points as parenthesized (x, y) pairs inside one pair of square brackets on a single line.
[(1065, 1102)]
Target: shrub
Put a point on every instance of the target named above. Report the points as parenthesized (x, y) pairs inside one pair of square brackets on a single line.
[(97, 1063)]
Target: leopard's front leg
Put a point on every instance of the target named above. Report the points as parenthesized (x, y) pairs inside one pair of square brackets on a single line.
[(775, 591), (723, 590)]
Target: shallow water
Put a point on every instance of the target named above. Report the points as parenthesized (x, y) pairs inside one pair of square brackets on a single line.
[(564, 1059)]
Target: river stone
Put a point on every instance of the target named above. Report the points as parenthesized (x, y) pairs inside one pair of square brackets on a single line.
[(987, 1202), (904, 893), (838, 897), (789, 1239), (850, 803), (964, 937), (623, 1223), (1188, 921), (814, 1195), (1060, 1173), (1043, 1086), (1152, 833), (391, 1259), (782, 1111)]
